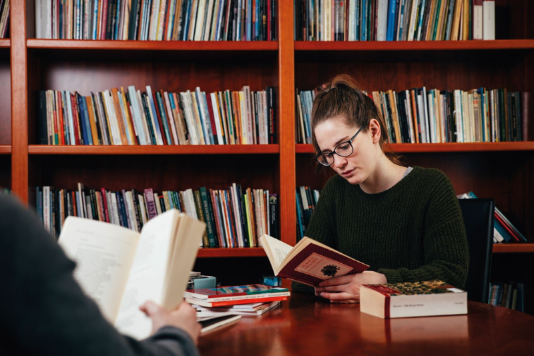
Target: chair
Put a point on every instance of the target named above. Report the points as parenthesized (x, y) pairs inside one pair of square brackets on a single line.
[(478, 215)]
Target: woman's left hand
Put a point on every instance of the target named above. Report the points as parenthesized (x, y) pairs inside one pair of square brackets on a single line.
[(346, 289)]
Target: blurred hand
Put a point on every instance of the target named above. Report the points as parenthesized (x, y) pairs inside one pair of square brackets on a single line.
[(346, 289), (183, 317)]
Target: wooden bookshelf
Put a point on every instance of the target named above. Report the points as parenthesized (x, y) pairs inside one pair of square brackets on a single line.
[(513, 248), (500, 170), (155, 150)]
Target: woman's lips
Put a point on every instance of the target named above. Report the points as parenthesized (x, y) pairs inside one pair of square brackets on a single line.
[(346, 173)]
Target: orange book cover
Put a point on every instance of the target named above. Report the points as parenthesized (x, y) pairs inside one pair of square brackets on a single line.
[(119, 114), (128, 117), (92, 120)]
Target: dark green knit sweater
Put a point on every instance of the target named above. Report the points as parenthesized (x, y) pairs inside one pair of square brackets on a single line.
[(413, 231)]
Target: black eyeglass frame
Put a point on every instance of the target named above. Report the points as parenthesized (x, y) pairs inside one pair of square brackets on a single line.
[(349, 141)]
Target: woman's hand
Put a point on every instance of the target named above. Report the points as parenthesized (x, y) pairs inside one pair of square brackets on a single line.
[(346, 289)]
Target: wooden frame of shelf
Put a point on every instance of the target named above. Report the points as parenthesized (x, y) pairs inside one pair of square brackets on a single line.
[(514, 248), (5, 43), (5, 149), (153, 150), (415, 45)]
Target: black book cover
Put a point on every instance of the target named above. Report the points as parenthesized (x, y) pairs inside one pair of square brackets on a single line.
[(42, 125)]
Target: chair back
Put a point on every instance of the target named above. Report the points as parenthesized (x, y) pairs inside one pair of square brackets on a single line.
[(478, 215)]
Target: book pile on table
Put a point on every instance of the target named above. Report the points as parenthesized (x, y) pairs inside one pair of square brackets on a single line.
[(252, 309), (235, 295)]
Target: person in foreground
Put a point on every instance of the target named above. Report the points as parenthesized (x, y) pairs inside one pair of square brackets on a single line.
[(405, 222), (45, 312)]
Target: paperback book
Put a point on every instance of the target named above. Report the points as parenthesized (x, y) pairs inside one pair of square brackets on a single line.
[(401, 300), (233, 295), (121, 269), (309, 262)]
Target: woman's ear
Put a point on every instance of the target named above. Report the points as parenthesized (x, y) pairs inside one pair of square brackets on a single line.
[(374, 128)]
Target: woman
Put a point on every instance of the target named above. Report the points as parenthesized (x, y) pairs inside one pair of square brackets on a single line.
[(404, 222)]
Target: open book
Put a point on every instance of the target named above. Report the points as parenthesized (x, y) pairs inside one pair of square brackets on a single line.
[(309, 262), (121, 269)]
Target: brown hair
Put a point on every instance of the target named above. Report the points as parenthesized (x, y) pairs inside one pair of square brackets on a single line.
[(343, 97)]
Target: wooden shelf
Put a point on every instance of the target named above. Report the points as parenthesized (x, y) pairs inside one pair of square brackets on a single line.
[(414, 45), (514, 248), (5, 43), (153, 150), (153, 45), (445, 147), (175, 51), (231, 252), (5, 149)]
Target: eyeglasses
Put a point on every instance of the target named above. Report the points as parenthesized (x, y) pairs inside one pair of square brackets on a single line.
[(344, 149)]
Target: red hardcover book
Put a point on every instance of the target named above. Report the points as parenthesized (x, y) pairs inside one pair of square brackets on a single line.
[(309, 262), (233, 302), (212, 120), (403, 300), (218, 223), (105, 202), (75, 119), (507, 227)]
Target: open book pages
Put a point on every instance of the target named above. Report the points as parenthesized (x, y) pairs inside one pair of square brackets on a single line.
[(121, 269), (309, 261)]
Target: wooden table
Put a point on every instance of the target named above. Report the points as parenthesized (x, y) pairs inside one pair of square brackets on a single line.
[(308, 326)]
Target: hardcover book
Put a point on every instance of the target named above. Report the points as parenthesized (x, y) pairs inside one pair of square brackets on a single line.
[(309, 262), (121, 269), (402, 300)]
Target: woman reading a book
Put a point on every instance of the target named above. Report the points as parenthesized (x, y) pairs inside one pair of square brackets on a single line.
[(45, 311), (405, 222)]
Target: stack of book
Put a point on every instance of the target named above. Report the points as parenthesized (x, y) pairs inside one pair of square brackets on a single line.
[(157, 20), (307, 199), (4, 17), (235, 217), (419, 115), (394, 20), (509, 295), (132, 117), (235, 295), (252, 309), (504, 230)]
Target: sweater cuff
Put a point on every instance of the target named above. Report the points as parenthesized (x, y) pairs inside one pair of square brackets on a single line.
[(175, 340), (392, 275)]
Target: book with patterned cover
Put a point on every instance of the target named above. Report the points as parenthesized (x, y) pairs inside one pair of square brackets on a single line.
[(234, 291), (412, 299), (309, 262)]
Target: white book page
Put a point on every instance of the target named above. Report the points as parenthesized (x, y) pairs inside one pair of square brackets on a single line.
[(104, 254), (276, 251), (147, 276)]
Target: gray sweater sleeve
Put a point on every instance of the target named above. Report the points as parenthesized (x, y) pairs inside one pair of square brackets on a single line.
[(45, 312)]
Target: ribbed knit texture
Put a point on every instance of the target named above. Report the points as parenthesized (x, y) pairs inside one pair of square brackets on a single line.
[(413, 231)]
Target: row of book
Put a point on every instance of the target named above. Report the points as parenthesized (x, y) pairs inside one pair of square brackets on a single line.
[(504, 230), (509, 295), (234, 217), (4, 17), (157, 20), (307, 199), (394, 20), (132, 117), (419, 115)]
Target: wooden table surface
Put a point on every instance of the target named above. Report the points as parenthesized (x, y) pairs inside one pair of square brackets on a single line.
[(306, 326)]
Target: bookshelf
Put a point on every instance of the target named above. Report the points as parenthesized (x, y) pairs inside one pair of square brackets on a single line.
[(503, 171)]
